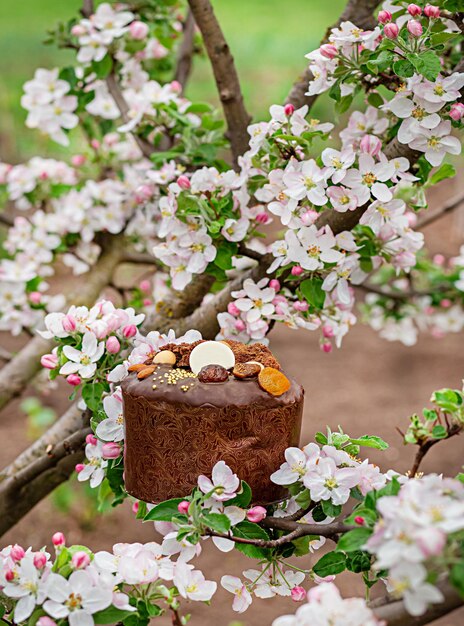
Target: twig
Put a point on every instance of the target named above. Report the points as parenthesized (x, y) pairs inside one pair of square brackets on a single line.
[(454, 204), (185, 52), (6, 220), (226, 76), (140, 258), (251, 254), (425, 445), (176, 619)]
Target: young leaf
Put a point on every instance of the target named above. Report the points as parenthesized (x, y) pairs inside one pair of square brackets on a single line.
[(330, 564), (370, 441), (243, 498), (217, 522), (313, 293), (354, 539), (403, 68), (330, 509), (92, 394), (444, 171), (111, 615), (164, 511)]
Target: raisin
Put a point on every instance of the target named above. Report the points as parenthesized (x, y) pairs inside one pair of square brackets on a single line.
[(213, 374), (246, 370)]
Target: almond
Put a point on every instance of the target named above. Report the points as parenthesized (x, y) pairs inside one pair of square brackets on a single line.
[(146, 371)]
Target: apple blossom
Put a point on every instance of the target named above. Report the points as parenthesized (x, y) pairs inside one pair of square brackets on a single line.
[(223, 483), (391, 30), (256, 514), (242, 597), (432, 11)]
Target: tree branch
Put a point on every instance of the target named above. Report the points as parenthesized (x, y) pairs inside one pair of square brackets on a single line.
[(360, 12), (452, 205), (395, 614), (225, 74), (426, 444), (185, 52)]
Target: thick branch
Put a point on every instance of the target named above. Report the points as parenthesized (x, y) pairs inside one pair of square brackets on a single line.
[(360, 12), (47, 463), (16, 374), (185, 52), (395, 614), (225, 74)]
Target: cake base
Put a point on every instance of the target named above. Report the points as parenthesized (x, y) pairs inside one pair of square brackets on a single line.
[(169, 444)]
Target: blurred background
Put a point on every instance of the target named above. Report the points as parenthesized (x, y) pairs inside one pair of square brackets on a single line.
[(369, 386)]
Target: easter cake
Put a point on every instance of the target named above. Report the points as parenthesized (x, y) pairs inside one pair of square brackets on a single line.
[(192, 404)]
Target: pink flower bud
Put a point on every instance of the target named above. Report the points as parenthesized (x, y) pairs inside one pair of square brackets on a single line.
[(111, 450), (78, 160), (446, 303), (412, 219), (233, 309), (135, 507), (183, 507), (431, 11), (129, 331), (240, 325), (328, 50), (138, 30), (289, 109), (145, 285), (414, 10), (35, 297), (77, 30), (359, 520), (69, 323), (256, 514), (391, 31), (74, 380), (59, 539), (327, 331), (147, 302), (183, 182), (384, 17), (95, 144), (50, 361), (45, 621), (298, 594), (300, 306), (91, 439), (112, 345), (326, 347), (456, 111), (297, 270), (176, 86), (262, 218), (17, 552), (370, 144), (439, 259), (274, 284), (80, 559), (143, 193), (40, 560), (414, 27), (79, 467), (9, 575)]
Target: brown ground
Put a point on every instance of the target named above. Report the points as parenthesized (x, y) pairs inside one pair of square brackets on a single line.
[(369, 386)]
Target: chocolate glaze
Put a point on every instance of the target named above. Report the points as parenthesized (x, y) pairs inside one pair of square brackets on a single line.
[(173, 436)]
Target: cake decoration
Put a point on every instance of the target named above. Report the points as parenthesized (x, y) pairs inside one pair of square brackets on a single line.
[(213, 374), (273, 381), (166, 357), (247, 370), (211, 353), (146, 371)]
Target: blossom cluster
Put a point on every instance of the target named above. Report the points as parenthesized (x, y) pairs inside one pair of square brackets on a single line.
[(410, 538), (80, 588)]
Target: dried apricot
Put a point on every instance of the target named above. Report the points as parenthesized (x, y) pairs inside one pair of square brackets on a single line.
[(246, 370), (213, 374), (273, 381), (147, 371)]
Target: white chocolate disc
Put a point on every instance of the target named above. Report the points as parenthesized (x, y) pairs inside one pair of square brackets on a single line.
[(211, 353)]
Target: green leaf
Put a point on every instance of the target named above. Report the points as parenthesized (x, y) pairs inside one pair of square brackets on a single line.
[(344, 104), (457, 577), (199, 107), (444, 171), (370, 441), (303, 499), (216, 521), (358, 561), (249, 530), (439, 432), (353, 539), (330, 509), (243, 498), (428, 64), (111, 615), (330, 564), (103, 68), (92, 394), (164, 511), (381, 63), (313, 293), (369, 515), (375, 99), (403, 68), (225, 252), (302, 544)]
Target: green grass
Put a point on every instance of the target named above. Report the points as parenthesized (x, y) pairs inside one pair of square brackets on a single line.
[(268, 38)]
